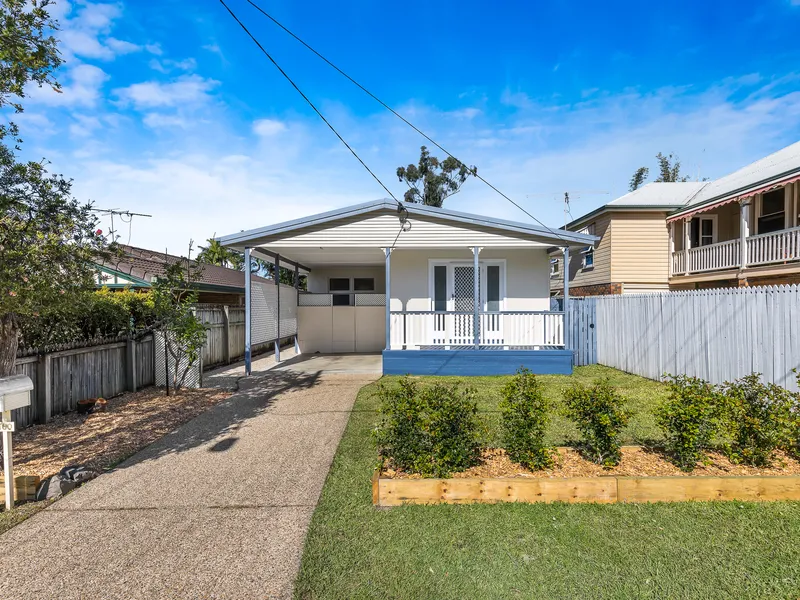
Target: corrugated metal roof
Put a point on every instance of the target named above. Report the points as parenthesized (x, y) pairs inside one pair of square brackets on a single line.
[(661, 194), (358, 212), (780, 164)]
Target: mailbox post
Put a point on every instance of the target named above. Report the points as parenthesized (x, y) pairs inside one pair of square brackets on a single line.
[(15, 392)]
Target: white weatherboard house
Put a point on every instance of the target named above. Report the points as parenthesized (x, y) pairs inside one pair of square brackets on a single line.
[(439, 318)]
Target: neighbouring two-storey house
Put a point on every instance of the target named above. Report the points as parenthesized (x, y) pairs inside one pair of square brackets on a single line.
[(741, 229)]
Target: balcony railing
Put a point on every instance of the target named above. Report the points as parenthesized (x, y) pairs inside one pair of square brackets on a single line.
[(764, 249), (414, 330)]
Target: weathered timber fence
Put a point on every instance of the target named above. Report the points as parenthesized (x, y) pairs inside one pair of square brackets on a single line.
[(63, 376), (718, 335)]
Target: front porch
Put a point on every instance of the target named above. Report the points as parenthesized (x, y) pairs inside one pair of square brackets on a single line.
[(447, 294), (726, 239)]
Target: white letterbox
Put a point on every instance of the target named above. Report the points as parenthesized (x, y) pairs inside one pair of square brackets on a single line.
[(15, 392)]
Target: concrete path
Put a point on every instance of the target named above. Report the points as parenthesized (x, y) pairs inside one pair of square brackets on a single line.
[(217, 509)]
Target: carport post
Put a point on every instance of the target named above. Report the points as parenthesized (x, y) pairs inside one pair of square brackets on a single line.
[(277, 274), (566, 297), (388, 300), (296, 303), (247, 310)]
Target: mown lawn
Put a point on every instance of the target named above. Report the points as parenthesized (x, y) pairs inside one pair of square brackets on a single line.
[(687, 550)]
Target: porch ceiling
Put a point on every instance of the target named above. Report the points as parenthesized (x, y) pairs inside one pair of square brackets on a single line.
[(325, 257)]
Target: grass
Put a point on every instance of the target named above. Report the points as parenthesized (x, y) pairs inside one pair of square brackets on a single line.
[(683, 550)]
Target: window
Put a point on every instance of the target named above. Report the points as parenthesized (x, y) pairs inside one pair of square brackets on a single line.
[(588, 257), (773, 212), (553, 267), (364, 284), (440, 287), (493, 288), (337, 286), (703, 231)]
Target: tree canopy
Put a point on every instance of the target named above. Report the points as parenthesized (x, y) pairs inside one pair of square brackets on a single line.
[(669, 169), (48, 240), (432, 180)]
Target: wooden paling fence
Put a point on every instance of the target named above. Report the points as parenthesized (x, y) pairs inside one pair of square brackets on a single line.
[(64, 375), (718, 335)]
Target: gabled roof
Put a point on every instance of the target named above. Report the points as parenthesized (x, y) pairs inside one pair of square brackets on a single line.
[(255, 237), (779, 167), (144, 265), (663, 196)]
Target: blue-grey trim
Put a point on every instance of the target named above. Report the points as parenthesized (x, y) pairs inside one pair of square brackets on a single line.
[(559, 236), (476, 362)]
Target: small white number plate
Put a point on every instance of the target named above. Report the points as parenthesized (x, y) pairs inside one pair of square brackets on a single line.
[(7, 426)]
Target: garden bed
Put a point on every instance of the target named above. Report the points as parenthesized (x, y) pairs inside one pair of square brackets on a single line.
[(643, 475)]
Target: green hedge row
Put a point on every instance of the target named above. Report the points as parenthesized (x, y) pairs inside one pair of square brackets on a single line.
[(435, 431)]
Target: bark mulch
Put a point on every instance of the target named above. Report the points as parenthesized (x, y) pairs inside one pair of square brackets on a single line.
[(636, 461), (103, 439)]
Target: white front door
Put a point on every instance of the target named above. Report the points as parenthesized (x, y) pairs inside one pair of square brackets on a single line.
[(452, 292)]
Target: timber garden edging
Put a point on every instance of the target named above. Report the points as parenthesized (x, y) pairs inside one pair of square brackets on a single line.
[(603, 490)]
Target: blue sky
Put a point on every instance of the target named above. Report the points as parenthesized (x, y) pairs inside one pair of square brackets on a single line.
[(169, 109)]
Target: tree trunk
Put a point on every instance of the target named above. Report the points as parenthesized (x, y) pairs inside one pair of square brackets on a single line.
[(8, 344)]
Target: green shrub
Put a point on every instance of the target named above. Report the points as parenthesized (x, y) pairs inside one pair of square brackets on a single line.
[(690, 418), (431, 430), (102, 313), (525, 415), (761, 418), (599, 414)]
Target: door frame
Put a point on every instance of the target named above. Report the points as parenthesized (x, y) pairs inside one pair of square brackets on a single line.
[(482, 264)]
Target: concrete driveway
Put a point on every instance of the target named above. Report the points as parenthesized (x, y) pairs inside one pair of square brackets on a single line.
[(217, 509)]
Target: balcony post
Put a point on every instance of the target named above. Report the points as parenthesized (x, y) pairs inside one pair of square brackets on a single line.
[(388, 302), (687, 242), (476, 297), (744, 231), (671, 246)]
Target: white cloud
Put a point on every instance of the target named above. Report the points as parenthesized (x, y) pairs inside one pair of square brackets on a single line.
[(268, 127), (162, 121), (82, 88), (167, 65), (84, 125), (121, 46), (85, 32), (466, 113), (198, 181), (187, 89)]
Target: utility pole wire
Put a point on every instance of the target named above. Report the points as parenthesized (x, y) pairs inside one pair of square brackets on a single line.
[(390, 109), (310, 103)]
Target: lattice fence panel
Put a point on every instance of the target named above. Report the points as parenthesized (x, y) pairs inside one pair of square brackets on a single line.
[(194, 378)]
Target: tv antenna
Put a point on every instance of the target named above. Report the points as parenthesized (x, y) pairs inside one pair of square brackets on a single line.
[(569, 196), (125, 216)]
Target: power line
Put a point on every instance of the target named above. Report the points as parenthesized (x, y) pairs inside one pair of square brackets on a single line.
[(390, 109), (310, 103)]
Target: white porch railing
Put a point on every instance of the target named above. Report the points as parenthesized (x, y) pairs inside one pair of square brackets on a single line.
[(723, 255), (413, 330), (767, 248), (776, 247)]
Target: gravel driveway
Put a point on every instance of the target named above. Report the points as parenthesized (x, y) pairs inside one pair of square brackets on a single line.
[(217, 509)]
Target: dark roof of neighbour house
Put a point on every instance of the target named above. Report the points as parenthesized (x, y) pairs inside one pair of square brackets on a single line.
[(144, 264)]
